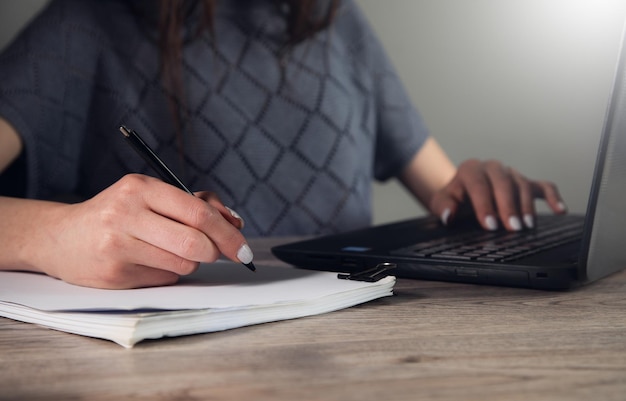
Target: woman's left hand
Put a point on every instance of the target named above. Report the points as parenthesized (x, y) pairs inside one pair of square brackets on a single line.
[(497, 195)]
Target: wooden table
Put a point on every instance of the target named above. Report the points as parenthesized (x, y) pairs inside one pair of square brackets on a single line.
[(431, 341)]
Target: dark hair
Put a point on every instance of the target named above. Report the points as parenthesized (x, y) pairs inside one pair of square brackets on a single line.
[(304, 19)]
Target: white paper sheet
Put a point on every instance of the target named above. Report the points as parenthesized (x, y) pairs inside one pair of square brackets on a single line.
[(217, 297), (217, 285)]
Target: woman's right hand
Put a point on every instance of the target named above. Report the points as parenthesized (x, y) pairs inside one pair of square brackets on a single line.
[(139, 232)]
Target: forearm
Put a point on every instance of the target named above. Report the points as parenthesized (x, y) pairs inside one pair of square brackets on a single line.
[(27, 233), (428, 172), (138, 232)]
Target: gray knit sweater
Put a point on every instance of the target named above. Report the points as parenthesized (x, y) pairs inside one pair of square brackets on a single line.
[(292, 146)]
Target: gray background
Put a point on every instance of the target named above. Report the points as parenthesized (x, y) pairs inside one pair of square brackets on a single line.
[(523, 81)]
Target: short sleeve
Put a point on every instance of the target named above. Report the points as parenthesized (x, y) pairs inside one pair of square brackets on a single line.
[(400, 130), (44, 94)]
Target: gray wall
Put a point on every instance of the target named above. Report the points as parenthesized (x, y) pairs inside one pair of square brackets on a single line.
[(13, 14), (524, 81)]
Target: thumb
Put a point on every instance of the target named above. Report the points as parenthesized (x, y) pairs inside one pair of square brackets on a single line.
[(444, 206)]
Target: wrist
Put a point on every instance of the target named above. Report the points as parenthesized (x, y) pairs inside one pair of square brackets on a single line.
[(28, 233)]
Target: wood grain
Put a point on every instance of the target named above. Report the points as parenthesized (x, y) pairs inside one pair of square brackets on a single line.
[(431, 341)]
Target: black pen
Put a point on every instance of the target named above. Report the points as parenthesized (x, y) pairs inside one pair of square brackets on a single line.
[(157, 164)]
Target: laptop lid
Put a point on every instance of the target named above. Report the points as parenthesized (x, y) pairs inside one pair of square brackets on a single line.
[(603, 250), (598, 254)]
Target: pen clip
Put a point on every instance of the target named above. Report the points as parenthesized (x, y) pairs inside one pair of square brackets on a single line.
[(369, 275)]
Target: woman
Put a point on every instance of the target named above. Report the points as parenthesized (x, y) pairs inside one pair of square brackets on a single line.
[(284, 110)]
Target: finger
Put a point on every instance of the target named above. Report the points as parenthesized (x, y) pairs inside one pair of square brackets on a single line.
[(549, 192), (223, 234), (142, 253), (235, 219), (120, 250), (444, 206), (131, 276), (126, 267), (526, 199), (197, 213), (505, 194), (229, 214), (478, 188), (446, 203), (172, 236), (146, 276)]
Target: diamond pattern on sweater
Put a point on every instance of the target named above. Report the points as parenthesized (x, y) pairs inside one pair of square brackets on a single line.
[(324, 199), (317, 141), (302, 87), (291, 144), (202, 156), (336, 105), (293, 176), (268, 77), (287, 115), (264, 220), (259, 152), (244, 94)]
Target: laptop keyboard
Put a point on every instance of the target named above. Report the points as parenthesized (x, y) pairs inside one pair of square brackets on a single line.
[(484, 246)]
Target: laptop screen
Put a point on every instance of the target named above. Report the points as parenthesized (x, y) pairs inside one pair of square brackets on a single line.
[(604, 251)]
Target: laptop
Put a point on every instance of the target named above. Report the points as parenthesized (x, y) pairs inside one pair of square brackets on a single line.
[(561, 252)]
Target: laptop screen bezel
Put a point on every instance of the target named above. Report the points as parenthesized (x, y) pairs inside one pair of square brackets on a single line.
[(618, 88)]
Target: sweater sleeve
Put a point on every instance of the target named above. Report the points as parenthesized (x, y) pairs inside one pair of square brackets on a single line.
[(45, 87), (400, 130)]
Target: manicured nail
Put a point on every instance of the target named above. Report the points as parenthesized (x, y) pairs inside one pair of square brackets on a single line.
[(529, 221), (444, 216), (235, 215), (561, 206), (491, 223), (244, 254), (515, 223)]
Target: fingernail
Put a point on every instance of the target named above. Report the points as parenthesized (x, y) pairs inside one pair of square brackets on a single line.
[(444, 216), (561, 206), (515, 223), (244, 254), (529, 220), (491, 223), (235, 215)]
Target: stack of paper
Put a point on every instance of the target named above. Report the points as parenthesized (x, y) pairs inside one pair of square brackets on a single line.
[(216, 297)]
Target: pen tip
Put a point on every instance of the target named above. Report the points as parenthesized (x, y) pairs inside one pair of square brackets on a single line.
[(250, 266)]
